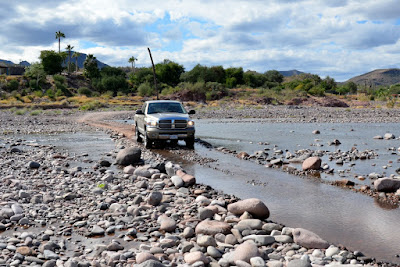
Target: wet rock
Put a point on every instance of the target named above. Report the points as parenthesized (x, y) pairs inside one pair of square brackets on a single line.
[(387, 185), (242, 155), (312, 163), (33, 165), (128, 156), (308, 239), (252, 205), (388, 136), (316, 132)]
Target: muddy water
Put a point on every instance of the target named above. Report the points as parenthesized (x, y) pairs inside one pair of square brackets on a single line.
[(340, 216)]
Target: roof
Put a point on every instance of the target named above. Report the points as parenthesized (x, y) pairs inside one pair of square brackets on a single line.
[(163, 101)]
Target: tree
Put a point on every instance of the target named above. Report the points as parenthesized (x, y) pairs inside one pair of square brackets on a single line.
[(169, 72), (274, 76), (132, 60), (69, 48), (51, 61), (35, 71), (76, 55), (59, 35), (91, 68)]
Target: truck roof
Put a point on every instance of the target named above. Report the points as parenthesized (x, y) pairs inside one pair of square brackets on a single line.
[(159, 101)]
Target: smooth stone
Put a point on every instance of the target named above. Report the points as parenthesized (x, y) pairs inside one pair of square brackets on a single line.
[(308, 239), (261, 240), (205, 241), (283, 239), (252, 205), (195, 256), (214, 252), (245, 252), (251, 223), (208, 227), (257, 262), (144, 256), (312, 163)]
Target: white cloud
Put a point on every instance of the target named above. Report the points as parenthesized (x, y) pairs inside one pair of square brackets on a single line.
[(336, 38)]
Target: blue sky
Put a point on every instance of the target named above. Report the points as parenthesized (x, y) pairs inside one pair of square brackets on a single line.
[(339, 38)]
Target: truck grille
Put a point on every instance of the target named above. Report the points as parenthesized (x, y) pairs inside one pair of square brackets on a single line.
[(172, 124)]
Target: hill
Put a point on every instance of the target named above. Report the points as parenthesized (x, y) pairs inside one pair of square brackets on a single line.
[(378, 77), (288, 73)]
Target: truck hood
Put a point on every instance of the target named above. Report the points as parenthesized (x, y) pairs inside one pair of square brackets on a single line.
[(168, 116)]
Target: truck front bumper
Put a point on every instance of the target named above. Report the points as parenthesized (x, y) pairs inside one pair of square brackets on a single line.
[(170, 134)]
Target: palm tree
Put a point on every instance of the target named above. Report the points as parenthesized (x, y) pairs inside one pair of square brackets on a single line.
[(69, 48), (59, 35), (132, 60), (76, 55)]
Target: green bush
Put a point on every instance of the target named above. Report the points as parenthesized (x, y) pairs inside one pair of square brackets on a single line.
[(12, 85), (93, 105), (59, 78), (50, 94), (145, 89), (85, 91)]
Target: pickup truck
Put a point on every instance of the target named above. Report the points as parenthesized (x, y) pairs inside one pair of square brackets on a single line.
[(162, 120)]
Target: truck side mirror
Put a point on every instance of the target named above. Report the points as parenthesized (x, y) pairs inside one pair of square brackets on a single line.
[(139, 112), (192, 112)]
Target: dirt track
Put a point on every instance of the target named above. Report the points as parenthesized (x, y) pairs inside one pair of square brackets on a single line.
[(99, 119)]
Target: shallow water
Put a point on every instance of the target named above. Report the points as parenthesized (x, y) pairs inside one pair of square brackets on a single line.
[(340, 216)]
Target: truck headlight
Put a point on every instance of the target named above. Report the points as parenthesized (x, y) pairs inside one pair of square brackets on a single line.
[(151, 123), (191, 123)]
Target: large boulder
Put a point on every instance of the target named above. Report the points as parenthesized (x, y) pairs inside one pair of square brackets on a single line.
[(308, 239), (387, 185), (253, 206), (212, 228), (128, 156), (312, 163)]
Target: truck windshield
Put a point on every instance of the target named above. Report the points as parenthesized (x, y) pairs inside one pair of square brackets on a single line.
[(165, 108)]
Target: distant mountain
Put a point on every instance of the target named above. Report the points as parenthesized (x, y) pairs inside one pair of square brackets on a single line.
[(81, 60), (378, 77), (289, 73), (6, 62)]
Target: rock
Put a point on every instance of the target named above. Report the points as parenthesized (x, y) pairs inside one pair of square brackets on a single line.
[(308, 239), (24, 250), (388, 136), (143, 171), (151, 263), (205, 241), (177, 181), (252, 205), (312, 163), (96, 231), (167, 224), (387, 185), (261, 240), (188, 179), (251, 223), (213, 252), (299, 263), (154, 198), (128, 156), (17, 209), (242, 155), (316, 132), (196, 256), (206, 213), (332, 250), (245, 251), (208, 227), (378, 137), (33, 165), (257, 262), (144, 256), (129, 169)]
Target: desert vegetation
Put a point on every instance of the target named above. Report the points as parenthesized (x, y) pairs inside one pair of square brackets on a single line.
[(55, 80)]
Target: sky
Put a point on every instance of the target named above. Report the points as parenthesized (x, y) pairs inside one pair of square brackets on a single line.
[(336, 38)]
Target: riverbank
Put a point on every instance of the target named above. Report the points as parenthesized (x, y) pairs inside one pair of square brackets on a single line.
[(100, 215)]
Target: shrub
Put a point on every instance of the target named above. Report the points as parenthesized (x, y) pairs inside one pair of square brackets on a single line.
[(12, 85), (59, 78), (20, 111), (85, 91), (145, 89), (36, 112), (93, 105)]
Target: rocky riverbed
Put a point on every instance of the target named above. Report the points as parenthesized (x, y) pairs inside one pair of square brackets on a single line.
[(151, 213)]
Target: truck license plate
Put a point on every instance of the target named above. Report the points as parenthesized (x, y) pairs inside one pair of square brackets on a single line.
[(173, 137)]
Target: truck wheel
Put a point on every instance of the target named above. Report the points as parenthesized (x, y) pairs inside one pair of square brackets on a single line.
[(190, 142), (137, 134), (147, 141)]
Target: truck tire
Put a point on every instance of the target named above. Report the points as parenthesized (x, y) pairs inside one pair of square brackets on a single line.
[(147, 141), (137, 134), (190, 142)]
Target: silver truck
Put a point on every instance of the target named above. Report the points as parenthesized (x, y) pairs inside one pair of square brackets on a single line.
[(162, 120)]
